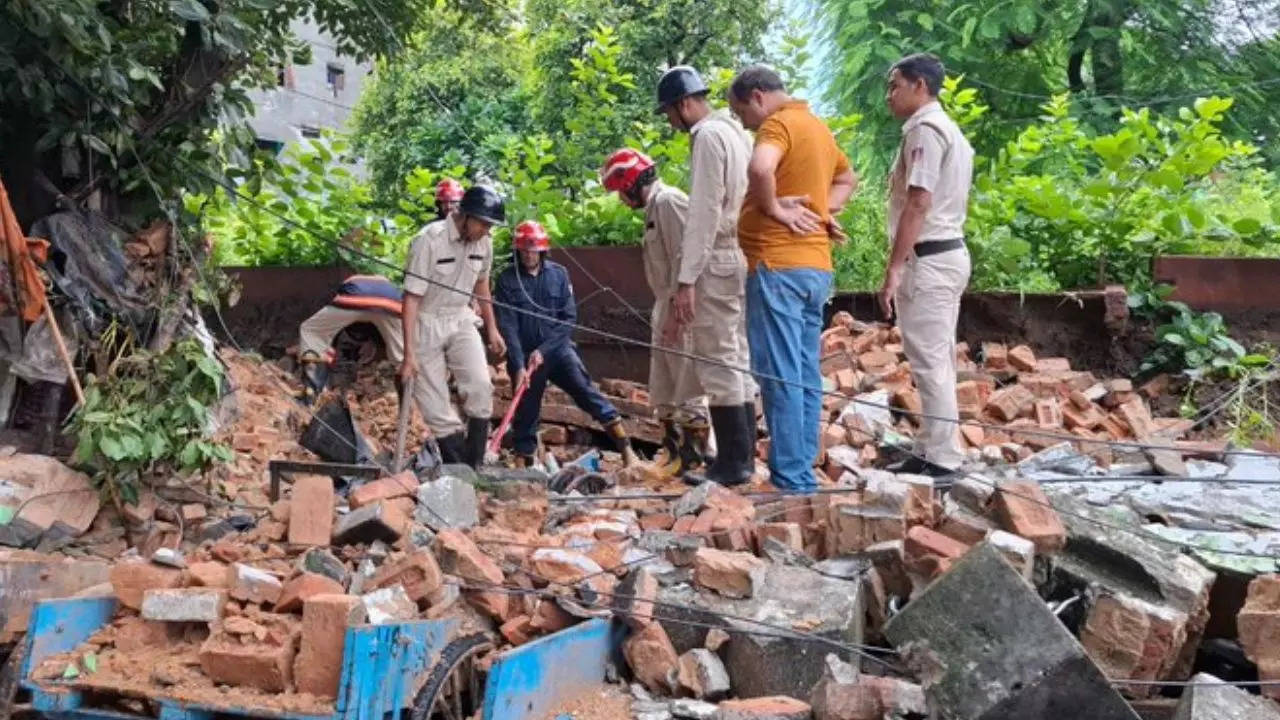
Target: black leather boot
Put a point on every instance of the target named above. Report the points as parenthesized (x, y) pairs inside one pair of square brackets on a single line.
[(477, 439)]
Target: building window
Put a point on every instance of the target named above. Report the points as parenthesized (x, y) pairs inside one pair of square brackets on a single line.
[(336, 78), (309, 131), (284, 77)]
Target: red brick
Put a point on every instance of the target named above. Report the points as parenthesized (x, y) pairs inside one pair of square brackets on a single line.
[(1080, 400), (1054, 365), (404, 484), (207, 574), (684, 524), (864, 341), (325, 619), (311, 510), (1114, 427), (1135, 414), (131, 580), (787, 533), (227, 660), (1156, 386), (657, 521), (636, 601), (1048, 414), (931, 553), (133, 633), (877, 361), (459, 556), (652, 657), (1022, 358), (995, 356), (732, 574), (1134, 639), (1076, 418), (974, 435), (1259, 629), (301, 587), (846, 381), (555, 435), (730, 503), (969, 399), (1024, 510), (518, 630), (778, 707), (796, 510), (834, 435), (704, 522), (549, 617), (418, 573), (908, 399), (1011, 402), (141, 512)]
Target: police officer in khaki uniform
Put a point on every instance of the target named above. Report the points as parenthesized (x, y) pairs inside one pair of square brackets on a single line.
[(928, 264), (449, 261), (674, 390), (709, 299)]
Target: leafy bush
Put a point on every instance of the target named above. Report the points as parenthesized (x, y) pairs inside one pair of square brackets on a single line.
[(149, 412), (1190, 342)]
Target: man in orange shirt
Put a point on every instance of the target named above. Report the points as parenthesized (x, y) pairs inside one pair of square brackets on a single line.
[(798, 180)]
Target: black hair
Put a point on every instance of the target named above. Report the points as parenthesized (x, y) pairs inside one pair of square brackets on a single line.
[(755, 77), (922, 66)]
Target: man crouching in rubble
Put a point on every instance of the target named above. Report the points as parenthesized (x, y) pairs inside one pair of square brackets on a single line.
[(450, 261), (674, 389), (536, 312)]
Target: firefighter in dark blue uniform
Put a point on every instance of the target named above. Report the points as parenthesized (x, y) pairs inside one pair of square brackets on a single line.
[(542, 349)]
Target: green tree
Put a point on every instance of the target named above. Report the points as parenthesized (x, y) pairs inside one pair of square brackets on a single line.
[(96, 91)]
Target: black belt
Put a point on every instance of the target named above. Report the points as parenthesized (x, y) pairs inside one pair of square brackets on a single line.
[(933, 247)]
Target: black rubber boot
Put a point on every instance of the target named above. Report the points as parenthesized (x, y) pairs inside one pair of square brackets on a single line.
[(732, 465), (752, 428), (453, 448), (477, 439)]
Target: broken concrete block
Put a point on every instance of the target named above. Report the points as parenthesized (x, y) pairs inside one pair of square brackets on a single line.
[(787, 596), (1019, 551), (690, 709), (325, 619), (132, 579), (253, 585), (1258, 624), (652, 658), (389, 605), (184, 604), (732, 574), (1024, 510), (298, 589), (311, 510), (447, 502), (703, 674), (1208, 698), (987, 648), (380, 521), (778, 707), (844, 694)]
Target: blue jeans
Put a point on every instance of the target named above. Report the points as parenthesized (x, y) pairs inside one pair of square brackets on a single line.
[(565, 369), (784, 329)]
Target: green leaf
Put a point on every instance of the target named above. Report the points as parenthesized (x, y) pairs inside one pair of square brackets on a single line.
[(1246, 226), (190, 10), (70, 672), (1173, 338), (926, 21), (112, 448), (90, 662)]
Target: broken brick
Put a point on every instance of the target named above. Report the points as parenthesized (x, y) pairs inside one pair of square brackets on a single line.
[(325, 619), (301, 587), (974, 435), (549, 617), (1024, 510), (311, 510), (417, 572), (874, 361), (1258, 626), (1022, 358), (256, 663), (1011, 402), (930, 553), (404, 484), (459, 556), (995, 356), (652, 657), (787, 533), (518, 630), (732, 574), (1048, 413), (253, 585), (1135, 414), (131, 580), (778, 707)]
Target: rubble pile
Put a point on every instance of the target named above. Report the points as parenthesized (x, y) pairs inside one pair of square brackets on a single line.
[(1027, 399), (1030, 584)]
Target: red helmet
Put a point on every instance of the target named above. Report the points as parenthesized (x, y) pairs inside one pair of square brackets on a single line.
[(448, 190), (529, 235), (623, 168)]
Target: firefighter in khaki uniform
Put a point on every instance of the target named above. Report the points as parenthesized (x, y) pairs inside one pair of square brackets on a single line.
[(674, 390), (710, 296), (369, 299), (449, 261)]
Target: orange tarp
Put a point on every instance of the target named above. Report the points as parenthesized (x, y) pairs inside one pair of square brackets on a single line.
[(20, 255)]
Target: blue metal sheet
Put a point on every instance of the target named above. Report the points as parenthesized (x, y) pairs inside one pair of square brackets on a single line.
[(384, 665), (532, 680), (58, 626)]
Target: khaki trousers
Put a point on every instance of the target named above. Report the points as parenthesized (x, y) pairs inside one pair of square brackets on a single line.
[(450, 345), (317, 332), (928, 306), (674, 390), (717, 331)]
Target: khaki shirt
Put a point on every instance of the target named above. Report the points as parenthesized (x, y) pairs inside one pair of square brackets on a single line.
[(664, 220), (719, 153), (441, 265), (934, 156)]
